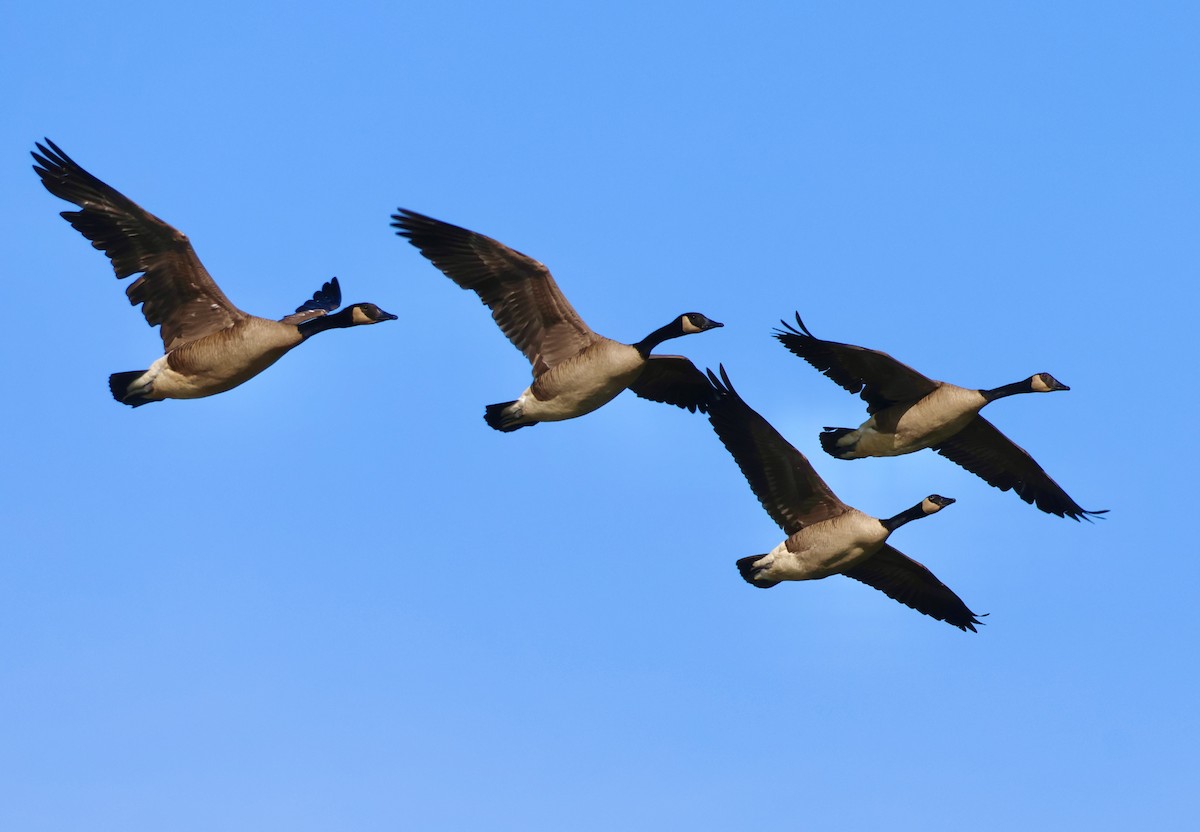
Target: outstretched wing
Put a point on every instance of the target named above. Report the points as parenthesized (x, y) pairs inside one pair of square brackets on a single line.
[(903, 579), (882, 380), (525, 301), (986, 452), (675, 380), (324, 300), (779, 475), (176, 292)]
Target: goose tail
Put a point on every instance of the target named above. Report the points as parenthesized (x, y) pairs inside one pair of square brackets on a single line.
[(119, 384), (749, 573), (829, 441), (505, 417)]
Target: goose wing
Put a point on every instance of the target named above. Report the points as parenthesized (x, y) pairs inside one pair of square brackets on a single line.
[(779, 475), (986, 452), (675, 380), (878, 378), (175, 290), (525, 301), (903, 579), (324, 300)]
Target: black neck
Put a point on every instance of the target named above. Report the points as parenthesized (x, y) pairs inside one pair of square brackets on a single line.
[(914, 513), (1006, 390), (664, 333), (312, 326)]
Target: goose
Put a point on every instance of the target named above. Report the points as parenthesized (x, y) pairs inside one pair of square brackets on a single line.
[(910, 412), (210, 345), (825, 536), (575, 370)]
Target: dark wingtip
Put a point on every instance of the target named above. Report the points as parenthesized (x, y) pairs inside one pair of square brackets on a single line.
[(725, 378), (399, 222), (722, 387), (789, 331), (50, 159), (972, 622), (405, 222), (803, 328), (332, 290), (328, 297)]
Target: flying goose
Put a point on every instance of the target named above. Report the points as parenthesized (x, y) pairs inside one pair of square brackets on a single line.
[(825, 536), (575, 370), (210, 345), (910, 412)]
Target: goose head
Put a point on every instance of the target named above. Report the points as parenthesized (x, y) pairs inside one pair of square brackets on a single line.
[(358, 314), (1045, 383), (368, 313), (1036, 383), (935, 503), (689, 323), (930, 505)]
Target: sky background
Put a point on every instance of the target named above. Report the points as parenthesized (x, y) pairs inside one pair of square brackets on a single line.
[(334, 599)]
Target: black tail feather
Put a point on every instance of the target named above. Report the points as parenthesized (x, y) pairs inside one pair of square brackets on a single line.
[(494, 415), (746, 568), (118, 385), (829, 439)]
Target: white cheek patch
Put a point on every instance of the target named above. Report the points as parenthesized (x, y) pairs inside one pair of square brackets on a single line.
[(358, 317), (929, 506), (1039, 386), (687, 325)]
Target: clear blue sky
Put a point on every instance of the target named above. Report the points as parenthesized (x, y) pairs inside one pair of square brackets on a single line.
[(334, 599)]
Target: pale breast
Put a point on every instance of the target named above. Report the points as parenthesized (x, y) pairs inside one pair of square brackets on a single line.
[(904, 428), (584, 382), (225, 359), (828, 548)]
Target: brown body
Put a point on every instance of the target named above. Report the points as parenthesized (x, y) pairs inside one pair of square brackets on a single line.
[(210, 345), (825, 536), (218, 362), (910, 411), (912, 426), (575, 370)]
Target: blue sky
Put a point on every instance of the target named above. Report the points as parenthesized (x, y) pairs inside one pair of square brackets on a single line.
[(334, 599)]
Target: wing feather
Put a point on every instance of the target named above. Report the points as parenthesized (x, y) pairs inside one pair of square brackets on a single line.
[(779, 475), (675, 380), (324, 300), (526, 303), (986, 452), (176, 292), (903, 579), (878, 378)]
